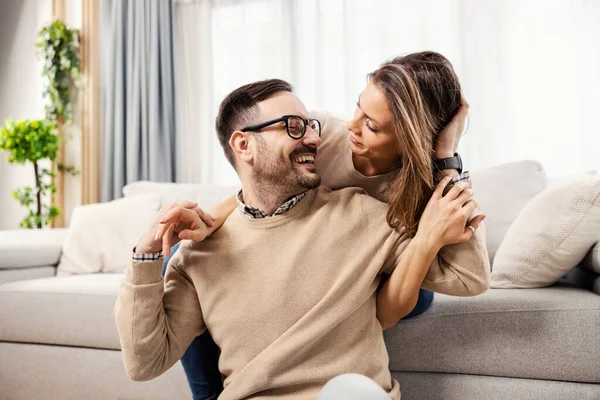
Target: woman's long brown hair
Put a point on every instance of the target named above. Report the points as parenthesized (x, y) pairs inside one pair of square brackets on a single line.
[(423, 94)]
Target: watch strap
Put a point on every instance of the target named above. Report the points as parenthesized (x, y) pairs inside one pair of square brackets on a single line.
[(449, 163)]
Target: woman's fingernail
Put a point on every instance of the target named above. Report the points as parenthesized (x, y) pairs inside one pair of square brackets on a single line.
[(156, 236)]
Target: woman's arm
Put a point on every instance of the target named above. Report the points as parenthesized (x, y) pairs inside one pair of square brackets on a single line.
[(400, 293), (446, 142), (221, 212), (461, 269), (218, 214), (464, 272)]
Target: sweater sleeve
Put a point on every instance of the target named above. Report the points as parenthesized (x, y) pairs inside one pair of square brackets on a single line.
[(156, 319), (461, 269)]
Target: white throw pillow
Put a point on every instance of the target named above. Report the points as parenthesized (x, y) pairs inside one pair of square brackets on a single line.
[(501, 192), (552, 234), (101, 236)]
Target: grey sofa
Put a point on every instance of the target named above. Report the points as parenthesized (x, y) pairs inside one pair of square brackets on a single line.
[(58, 338)]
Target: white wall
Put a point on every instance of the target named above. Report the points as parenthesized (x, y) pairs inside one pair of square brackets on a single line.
[(20, 90), (21, 97)]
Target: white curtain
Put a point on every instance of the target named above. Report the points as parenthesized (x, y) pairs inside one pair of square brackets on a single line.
[(529, 69)]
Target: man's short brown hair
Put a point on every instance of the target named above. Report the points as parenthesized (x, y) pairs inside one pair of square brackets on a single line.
[(240, 108)]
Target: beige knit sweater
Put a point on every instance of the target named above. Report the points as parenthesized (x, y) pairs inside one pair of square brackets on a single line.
[(290, 300)]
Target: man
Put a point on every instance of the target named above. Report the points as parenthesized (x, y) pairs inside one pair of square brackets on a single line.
[(291, 300)]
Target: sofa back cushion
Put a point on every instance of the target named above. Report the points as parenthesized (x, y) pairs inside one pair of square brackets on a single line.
[(592, 259), (207, 196), (501, 192)]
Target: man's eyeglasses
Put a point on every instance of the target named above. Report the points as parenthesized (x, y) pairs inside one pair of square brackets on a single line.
[(295, 125)]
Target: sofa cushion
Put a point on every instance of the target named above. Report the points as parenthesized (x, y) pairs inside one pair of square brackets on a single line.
[(102, 236), (501, 192), (207, 196), (552, 234), (73, 310), (46, 372), (584, 278), (28, 248), (550, 333), (592, 259), (429, 386)]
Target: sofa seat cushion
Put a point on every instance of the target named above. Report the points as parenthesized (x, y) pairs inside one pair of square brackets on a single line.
[(549, 333), (73, 310)]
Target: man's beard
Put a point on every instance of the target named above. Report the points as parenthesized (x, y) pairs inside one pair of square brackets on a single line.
[(276, 173)]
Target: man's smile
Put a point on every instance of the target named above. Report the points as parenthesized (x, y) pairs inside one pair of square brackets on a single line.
[(305, 159)]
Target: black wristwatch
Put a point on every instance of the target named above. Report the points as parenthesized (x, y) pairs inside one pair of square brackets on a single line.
[(449, 163)]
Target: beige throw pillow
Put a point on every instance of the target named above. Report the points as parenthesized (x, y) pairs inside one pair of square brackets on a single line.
[(551, 235), (101, 236)]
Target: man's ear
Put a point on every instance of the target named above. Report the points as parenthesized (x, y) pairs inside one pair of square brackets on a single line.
[(240, 144)]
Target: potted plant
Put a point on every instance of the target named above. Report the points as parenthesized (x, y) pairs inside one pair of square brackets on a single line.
[(35, 142), (58, 50)]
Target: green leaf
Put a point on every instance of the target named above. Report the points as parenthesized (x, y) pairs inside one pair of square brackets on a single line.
[(27, 140), (54, 211), (68, 169), (24, 195)]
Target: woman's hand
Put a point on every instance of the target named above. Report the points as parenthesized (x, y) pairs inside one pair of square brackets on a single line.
[(179, 220), (445, 219), (447, 140)]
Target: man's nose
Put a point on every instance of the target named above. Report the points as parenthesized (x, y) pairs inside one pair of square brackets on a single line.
[(311, 137)]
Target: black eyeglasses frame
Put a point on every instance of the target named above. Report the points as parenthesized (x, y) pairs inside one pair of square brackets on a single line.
[(284, 118)]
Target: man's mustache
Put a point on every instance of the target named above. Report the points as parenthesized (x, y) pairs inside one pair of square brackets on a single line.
[(304, 150)]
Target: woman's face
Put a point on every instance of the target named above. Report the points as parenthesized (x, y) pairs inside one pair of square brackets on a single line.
[(371, 127)]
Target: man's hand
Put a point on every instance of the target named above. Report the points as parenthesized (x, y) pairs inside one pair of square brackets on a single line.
[(180, 220), (449, 138)]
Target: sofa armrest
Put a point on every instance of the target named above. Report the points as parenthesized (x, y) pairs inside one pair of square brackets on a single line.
[(592, 259), (31, 247)]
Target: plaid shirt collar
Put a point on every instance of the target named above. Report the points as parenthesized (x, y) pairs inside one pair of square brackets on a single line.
[(253, 212)]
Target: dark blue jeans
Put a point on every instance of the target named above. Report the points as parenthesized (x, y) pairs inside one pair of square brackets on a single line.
[(201, 359)]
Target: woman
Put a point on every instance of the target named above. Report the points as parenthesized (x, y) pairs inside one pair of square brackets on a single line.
[(388, 149)]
